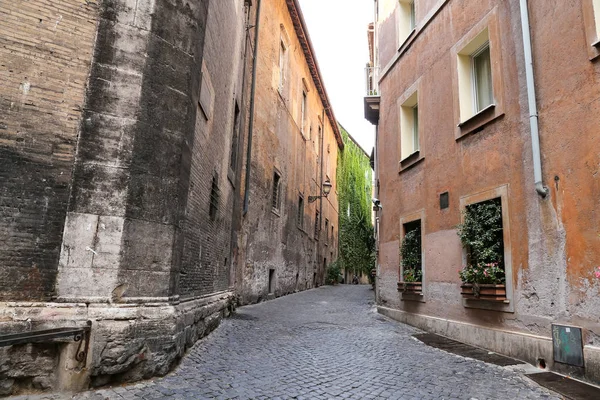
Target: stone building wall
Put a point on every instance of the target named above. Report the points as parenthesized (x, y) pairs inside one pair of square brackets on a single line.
[(550, 241), (143, 256), (274, 245), (46, 51)]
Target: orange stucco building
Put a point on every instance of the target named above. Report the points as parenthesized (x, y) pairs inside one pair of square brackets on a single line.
[(458, 117)]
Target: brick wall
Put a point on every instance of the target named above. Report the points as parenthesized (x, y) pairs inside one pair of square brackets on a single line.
[(206, 258), (45, 52), (273, 240)]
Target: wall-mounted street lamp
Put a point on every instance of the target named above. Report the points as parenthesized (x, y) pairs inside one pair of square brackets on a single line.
[(324, 191)]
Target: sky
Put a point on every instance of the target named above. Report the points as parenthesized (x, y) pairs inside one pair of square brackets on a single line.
[(338, 31)]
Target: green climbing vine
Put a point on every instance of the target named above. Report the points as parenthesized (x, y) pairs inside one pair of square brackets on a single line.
[(354, 175)]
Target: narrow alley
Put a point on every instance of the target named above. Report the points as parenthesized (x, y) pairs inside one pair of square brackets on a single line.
[(321, 344)]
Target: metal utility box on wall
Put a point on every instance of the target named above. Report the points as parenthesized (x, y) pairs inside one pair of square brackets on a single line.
[(567, 343)]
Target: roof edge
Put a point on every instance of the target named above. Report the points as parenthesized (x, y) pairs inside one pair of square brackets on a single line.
[(354, 140), (313, 66)]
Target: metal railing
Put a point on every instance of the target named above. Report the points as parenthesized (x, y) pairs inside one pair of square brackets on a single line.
[(77, 334), (371, 80)]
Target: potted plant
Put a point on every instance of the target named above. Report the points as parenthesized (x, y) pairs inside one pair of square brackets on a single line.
[(334, 272), (410, 250), (481, 235)]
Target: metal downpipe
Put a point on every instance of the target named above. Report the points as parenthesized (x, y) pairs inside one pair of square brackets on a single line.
[(533, 112)]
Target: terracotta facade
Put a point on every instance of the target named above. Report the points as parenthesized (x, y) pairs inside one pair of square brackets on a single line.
[(283, 249), (550, 243)]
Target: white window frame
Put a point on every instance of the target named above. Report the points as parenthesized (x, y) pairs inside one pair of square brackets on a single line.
[(474, 80), (596, 8), (467, 82), (406, 20), (409, 126)]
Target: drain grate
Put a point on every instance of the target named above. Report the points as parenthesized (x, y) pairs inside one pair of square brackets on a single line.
[(565, 386), (465, 350)]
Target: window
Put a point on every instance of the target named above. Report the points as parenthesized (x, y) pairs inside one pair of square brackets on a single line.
[(276, 194), (300, 216), (409, 127), (214, 198), (317, 225), (282, 57), (207, 94), (591, 21), (475, 76), (332, 235), (303, 114), (485, 236), (234, 139), (412, 266), (482, 78), (406, 20), (411, 251), (596, 6), (326, 231)]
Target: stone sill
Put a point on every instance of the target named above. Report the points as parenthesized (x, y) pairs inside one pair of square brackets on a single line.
[(410, 161), (477, 115), (404, 44), (477, 122)]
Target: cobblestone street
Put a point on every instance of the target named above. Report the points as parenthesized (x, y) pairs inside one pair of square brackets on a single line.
[(320, 344)]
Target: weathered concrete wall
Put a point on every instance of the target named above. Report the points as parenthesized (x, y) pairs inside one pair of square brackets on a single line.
[(552, 241), (46, 50), (273, 240)]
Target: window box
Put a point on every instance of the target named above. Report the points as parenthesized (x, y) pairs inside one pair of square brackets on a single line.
[(481, 291), (410, 287)]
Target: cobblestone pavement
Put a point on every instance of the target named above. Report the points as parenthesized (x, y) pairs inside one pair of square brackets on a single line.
[(321, 344)]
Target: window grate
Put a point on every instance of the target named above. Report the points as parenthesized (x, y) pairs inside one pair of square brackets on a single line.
[(214, 198), (300, 216), (276, 195)]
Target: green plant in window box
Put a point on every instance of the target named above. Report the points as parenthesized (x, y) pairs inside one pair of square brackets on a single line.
[(412, 275), (482, 237), (410, 250)]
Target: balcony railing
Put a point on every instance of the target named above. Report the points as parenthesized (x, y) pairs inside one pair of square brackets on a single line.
[(372, 78)]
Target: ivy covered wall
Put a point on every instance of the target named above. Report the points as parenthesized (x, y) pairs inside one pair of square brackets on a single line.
[(354, 177)]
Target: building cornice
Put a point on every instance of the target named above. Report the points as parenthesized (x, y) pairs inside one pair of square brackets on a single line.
[(313, 66)]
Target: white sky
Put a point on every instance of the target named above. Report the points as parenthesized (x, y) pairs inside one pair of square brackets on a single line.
[(338, 31)]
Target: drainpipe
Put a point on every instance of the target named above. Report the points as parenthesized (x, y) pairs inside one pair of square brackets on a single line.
[(251, 123), (321, 193), (236, 220), (533, 112)]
